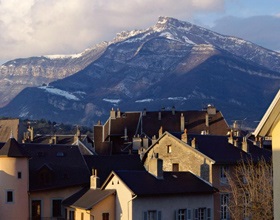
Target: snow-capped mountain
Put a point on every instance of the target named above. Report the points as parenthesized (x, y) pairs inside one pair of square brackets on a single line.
[(171, 63), (15, 75)]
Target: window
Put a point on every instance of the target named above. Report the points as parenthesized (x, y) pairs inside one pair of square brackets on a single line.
[(169, 149), (56, 208), (224, 206), (202, 214), (19, 175), (152, 215), (246, 206), (36, 209), (82, 216), (223, 172), (71, 215), (175, 167), (181, 214), (105, 216), (10, 196)]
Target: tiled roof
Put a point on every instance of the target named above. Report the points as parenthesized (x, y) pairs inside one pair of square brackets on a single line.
[(12, 149), (87, 200), (63, 165), (142, 183), (60, 139), (105, 164), (194, 122), (148, 124)]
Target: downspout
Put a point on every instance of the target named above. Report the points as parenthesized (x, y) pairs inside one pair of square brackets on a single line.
[(134, 197)]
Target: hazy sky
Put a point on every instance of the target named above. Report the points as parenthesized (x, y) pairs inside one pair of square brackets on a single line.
[(42, 27)]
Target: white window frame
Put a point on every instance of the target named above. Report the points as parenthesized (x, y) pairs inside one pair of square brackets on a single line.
[(224, 202), (147, 215), (183, 214), (202, 213)]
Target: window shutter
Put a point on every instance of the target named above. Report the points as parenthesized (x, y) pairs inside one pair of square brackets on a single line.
[(159, 215), (195, 213), (176, 214), (208, 214), (189, 214), (145, 216)]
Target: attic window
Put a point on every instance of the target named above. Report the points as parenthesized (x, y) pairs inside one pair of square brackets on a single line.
[(60, 154), (169, 149)]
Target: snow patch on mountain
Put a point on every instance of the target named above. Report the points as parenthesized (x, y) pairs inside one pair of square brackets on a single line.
[(114, 101), (144, 100), (59, 92), (177, 98)]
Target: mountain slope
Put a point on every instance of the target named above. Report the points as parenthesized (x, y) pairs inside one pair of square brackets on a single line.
[(15, 75), (171, 63)]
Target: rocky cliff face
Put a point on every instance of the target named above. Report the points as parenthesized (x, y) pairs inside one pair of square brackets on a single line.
[(170, 63), (18, 74)]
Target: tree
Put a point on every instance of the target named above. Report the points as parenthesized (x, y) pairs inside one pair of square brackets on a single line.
[(251, 190)]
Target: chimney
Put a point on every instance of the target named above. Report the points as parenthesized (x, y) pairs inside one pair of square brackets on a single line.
[(31, 132), (235, 143), (160, 132), (193, 143), (144, 112), (77, 135), (230, 137), (125, 133), (182, 122), (207, 120), (184, 136), (136, 142), (145, 142), (159, 115), (211, 110), (112, 114), (118, 113), (154, 139), (155, 166), (53, 140), (245, 146), (94, 180), (173, 110)]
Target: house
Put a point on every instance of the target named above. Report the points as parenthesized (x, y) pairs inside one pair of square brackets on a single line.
[(126, 131), (210, 157), (147, 195), (35, 178), (14, 177), (269, 126)]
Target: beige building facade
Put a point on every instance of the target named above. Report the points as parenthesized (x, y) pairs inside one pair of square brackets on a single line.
[(269, 126)]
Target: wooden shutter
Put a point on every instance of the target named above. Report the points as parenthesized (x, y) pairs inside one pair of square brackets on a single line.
[(159, 215), (145, 216)]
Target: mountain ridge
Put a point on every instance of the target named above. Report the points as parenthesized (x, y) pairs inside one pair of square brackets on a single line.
[(171, 63)]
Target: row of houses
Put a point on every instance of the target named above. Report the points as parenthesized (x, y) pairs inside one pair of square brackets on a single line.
[(139, 165)]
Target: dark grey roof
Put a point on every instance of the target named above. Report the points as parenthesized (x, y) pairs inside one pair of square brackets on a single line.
[(12, 149), (106, 164), (142, 183), (90, 198), (63, 164), (222, 152)]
